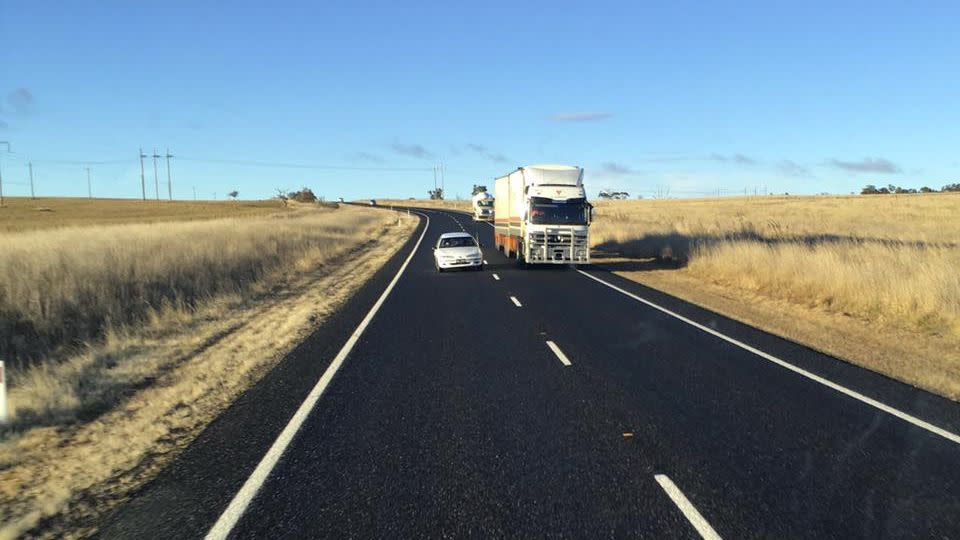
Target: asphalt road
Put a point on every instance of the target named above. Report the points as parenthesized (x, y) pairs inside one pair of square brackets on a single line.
[(545, 402)]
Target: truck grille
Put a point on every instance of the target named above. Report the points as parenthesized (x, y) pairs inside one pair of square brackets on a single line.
[(559, 247)]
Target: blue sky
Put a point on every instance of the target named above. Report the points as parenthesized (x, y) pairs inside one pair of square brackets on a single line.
[(693, 97)]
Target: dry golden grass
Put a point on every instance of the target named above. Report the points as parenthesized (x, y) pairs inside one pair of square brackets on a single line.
[(886, 261), (426, 203), (117, 412), (22, 214), (63, 289), (66, 287), (644, 228)]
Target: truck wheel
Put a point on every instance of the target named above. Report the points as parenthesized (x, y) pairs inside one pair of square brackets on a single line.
[(521, 262)]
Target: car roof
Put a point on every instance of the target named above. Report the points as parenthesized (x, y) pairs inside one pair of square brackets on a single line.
[(455, 235)]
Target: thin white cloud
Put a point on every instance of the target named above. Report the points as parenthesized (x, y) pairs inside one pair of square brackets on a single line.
[(580, 116), (21, 100), (365, 157), (873, 165), (792, 168), (738, 159), (486, 153), (616, 169), (411, 150)]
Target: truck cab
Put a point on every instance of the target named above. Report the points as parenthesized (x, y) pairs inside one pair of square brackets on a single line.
[(483, 206), (542, 215)]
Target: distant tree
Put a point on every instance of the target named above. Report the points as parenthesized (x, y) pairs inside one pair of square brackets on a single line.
[(478, 189), (305, 195), (436, 194), (233, 194), (951, 187), (282, 197), (925, 189)]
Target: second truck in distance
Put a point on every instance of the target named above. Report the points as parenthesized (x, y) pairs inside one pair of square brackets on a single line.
[(482, 206), (542, 215)]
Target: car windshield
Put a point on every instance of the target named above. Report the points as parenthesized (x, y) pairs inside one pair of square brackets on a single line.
[(545, 212), (457, 241)]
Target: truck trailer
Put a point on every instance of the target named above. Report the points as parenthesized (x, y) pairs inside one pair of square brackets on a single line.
[(483, 206), (542, 215)]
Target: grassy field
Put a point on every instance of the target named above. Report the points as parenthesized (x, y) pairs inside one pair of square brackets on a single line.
[(21, 213), (63, 289), (426, 203), (129, 339), (885, 263)]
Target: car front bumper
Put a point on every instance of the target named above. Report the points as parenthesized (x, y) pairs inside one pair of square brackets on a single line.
[(465, 263)]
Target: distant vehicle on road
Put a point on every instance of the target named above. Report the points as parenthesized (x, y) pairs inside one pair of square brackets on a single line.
[(483, 206), (373, 202), (457, 250), (542, 215)]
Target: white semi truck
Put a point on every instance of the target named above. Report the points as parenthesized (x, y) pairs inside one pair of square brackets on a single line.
[(483, 206), (542, 215)]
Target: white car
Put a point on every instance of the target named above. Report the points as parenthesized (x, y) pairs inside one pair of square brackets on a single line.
[(457, 250)]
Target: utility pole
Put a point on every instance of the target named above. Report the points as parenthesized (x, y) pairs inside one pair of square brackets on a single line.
[(194, 192), (32, 194), (89, 187), (1, 174), (143, 182), (169, 183), (156, 178)]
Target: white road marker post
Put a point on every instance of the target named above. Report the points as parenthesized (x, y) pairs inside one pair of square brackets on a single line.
[(3, 394)]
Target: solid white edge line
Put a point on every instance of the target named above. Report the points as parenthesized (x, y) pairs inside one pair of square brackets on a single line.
[(496, 277), (515, 301), (685, 506), (800, 371), (556, 350), (238, 505)]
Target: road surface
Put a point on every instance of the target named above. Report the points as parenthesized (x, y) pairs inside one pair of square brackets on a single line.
[(552, 402)]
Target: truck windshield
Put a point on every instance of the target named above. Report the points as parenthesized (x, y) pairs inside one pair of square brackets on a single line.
[(485, 202), (544, 212)]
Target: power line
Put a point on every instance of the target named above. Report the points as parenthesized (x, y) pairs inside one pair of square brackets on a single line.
[(79, 162), (248, 163)]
